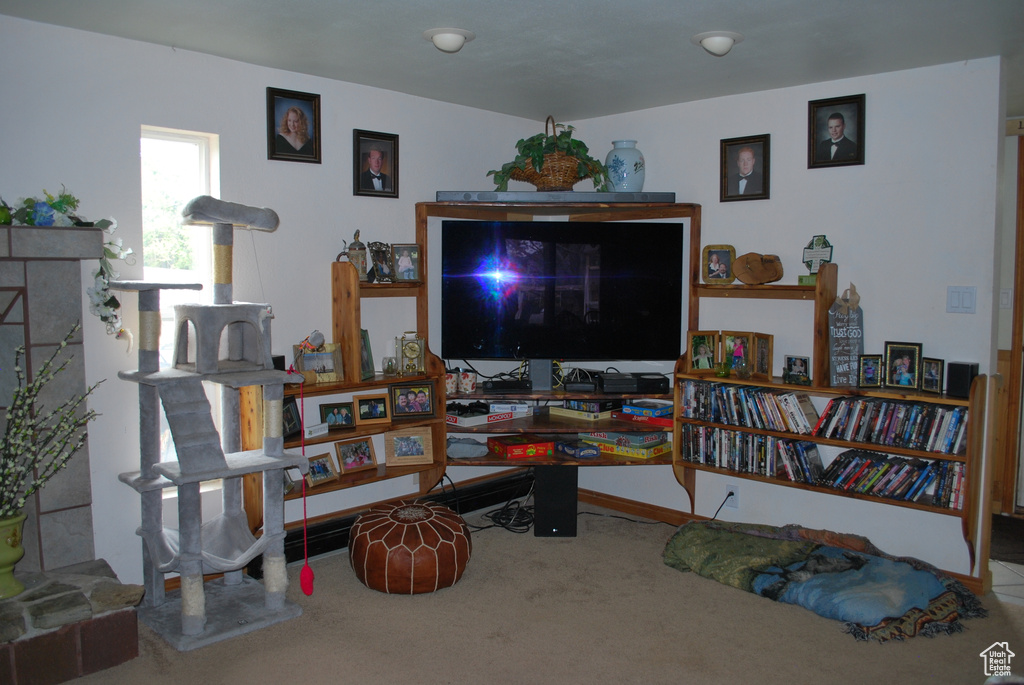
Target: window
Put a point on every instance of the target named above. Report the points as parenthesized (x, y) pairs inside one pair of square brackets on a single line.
[(176, 167)]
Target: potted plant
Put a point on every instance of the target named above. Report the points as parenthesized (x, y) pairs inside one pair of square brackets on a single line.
[(36, 444), (552, 162)]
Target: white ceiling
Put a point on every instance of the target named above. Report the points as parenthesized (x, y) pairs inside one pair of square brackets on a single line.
[(574, 59)]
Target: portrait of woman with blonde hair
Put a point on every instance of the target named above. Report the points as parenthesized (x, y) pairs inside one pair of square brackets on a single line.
[(293, 133)]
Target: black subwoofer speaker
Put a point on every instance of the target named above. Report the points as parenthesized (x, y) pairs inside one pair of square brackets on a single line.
[(554, 501), (959, 376)]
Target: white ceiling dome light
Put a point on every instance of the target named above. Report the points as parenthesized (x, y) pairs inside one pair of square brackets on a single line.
[(448, 40), (717, 43)]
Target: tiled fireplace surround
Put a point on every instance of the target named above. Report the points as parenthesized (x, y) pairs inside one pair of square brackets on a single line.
[(40, 300)]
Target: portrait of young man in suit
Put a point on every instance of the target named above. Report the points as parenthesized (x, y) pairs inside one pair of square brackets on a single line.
[(745, 168), (375, 161), (836, 132)]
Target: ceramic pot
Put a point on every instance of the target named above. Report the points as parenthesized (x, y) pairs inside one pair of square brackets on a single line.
[(625, 167), (11, 552)]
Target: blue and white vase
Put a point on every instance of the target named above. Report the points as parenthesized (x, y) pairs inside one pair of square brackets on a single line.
[(625, 167)]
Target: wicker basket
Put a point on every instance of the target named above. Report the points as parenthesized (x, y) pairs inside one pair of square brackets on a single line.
[(558, 172)]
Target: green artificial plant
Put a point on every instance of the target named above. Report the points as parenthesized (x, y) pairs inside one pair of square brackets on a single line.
[(532, 150)]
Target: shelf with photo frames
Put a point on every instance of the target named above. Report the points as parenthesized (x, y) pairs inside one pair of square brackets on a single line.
[(346, 293)]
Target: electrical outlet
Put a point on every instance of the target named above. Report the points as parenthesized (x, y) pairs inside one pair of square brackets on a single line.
[(734, 501)]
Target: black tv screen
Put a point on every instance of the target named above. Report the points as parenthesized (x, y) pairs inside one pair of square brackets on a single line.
[(587, 291)]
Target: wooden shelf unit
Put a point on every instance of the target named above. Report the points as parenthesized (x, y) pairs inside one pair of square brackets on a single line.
[(574, 211), (822, 295)]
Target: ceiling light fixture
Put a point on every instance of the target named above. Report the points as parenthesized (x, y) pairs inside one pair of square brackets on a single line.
[(717, 43), (448, 40)]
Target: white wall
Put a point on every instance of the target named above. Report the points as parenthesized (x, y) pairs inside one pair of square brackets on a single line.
[(919, 215), (75, 102)]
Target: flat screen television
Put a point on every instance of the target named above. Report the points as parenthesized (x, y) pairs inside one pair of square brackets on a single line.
[(581, 291)]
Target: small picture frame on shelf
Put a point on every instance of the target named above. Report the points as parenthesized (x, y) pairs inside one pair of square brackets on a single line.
[(408, 447), (291, 418), (406, 258), (321, 470), (870, 371), (325, 362), (702, 351), (337, 415), (356, 455), (371, 409), (717, 264), (797, 371), (762, 356), (932, 374), (366, 370), (735, 348), (412, 399), (903, 365), (380, 270)]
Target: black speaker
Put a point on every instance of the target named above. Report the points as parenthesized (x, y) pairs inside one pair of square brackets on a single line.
[(959, 376), (554, 501)]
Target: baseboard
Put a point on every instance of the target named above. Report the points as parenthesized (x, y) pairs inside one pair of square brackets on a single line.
[(635, 508)]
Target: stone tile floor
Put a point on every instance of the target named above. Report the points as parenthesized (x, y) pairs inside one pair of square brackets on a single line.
[(1007, 581)]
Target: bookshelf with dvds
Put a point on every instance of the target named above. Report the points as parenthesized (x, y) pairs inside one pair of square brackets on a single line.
[(740, 442)]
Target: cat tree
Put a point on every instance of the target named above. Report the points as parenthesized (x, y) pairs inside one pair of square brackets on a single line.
[(230, 342)]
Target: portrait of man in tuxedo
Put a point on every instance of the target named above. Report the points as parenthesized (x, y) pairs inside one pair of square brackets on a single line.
[(745, 168), (836, 135), (375, 159)]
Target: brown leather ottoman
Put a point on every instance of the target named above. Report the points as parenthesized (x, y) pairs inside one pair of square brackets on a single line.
[(409, 547)]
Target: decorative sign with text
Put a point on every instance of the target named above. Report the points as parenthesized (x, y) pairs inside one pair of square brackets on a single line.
[(845, 338)]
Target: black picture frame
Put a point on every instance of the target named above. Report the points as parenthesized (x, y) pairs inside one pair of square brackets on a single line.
[(848, 110), (363, 144), (291, 418), (338, 415), (902, 365), (932, 374), (751, 154), (303, 107), (422, 403)]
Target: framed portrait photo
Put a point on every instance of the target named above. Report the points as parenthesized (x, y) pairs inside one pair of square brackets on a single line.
[(412, 399), (324, 361), (406, 259), (356, 455), (374, 164), (870, 373), (408, 447), (291, 417), (371, 409), (736, 346), (701, 351), (716, 261), (932, 374), (321, 470), (293, 126), (835, 132), (744, 169), (338, 415), (797, 370), (902, 365), (761, 366), (380, 268)]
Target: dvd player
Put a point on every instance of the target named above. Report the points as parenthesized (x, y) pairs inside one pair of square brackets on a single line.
[(507, 385)]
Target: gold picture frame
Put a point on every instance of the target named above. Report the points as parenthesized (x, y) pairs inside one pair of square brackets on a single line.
[(408, 447), (356, 455), (702, 351), (321, 470), (762, 361), (372, 409), (716, 264)]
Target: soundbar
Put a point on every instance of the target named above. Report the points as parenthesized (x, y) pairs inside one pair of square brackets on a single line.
[(549, 196), (507, 386)]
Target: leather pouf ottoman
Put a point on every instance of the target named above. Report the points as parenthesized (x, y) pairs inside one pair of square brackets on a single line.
[(409, 547)]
